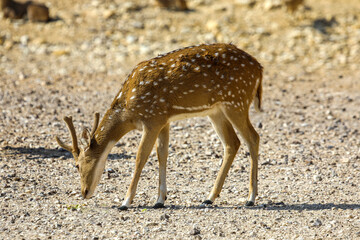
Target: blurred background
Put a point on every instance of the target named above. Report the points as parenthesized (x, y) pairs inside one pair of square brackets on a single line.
[(111, 36)]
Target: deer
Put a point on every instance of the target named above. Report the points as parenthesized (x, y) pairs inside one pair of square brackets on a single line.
[(217, 80)]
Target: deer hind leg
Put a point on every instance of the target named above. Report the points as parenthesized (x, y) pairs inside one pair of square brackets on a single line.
[(251, 137), (162, 150), (146, 144), (231, 144)]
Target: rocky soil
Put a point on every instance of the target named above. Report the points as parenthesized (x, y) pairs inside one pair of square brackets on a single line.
[(309, 173)]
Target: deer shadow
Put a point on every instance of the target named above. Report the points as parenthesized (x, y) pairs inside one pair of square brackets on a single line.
[(305, 206), (266, 207), (44, 153)]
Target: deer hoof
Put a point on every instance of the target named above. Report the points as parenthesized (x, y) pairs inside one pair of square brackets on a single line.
[(123, 208), (159, 205), (207, 202), (249, 203)]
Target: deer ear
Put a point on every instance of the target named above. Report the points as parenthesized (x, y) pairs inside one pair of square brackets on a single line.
[(85, 136)]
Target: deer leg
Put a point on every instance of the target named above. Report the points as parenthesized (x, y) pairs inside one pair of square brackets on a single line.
[(252, 139), (162, 150), (146, 144), (231, 145)]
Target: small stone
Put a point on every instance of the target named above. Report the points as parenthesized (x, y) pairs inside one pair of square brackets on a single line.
[(317, 178), (24, 40), (164, 217), (195, 231), (213, 26), (272, 4), (130, 39), (317, 223), (248, 3), (108, 13), (59, 53)]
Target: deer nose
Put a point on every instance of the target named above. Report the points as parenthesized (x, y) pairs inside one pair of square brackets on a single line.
[(85, 193)]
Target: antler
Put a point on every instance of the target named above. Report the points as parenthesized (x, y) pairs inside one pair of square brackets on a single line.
[(74, 148), (86, 134), (95, 125)]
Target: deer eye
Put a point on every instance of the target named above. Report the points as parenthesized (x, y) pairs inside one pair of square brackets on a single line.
[(77, 166)]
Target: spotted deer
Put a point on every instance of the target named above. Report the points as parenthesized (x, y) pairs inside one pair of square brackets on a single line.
[(217, 80)]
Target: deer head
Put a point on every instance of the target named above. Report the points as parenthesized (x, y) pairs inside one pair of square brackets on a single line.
[(83, 157)]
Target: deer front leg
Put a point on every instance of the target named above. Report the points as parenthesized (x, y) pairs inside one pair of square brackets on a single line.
[(147, 142), (162, 153)]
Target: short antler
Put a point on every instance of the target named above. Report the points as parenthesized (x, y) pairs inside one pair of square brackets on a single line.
[(74, 148), (95, 125)]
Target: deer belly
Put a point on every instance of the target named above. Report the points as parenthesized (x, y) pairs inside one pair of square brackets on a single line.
[(195, 111)]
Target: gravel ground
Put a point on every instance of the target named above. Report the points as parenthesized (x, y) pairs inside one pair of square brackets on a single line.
[(309, 172)]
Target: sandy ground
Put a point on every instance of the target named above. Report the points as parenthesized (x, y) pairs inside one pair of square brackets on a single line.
[(309, 172)]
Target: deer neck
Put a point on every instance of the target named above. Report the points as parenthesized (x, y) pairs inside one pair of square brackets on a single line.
[(111, 129)]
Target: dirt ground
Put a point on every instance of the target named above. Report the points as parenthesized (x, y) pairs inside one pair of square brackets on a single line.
[(309, 169)]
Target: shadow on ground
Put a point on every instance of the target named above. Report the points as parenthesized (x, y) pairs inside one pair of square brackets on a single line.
[(308, 207), (43, 153), (278, 207)]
